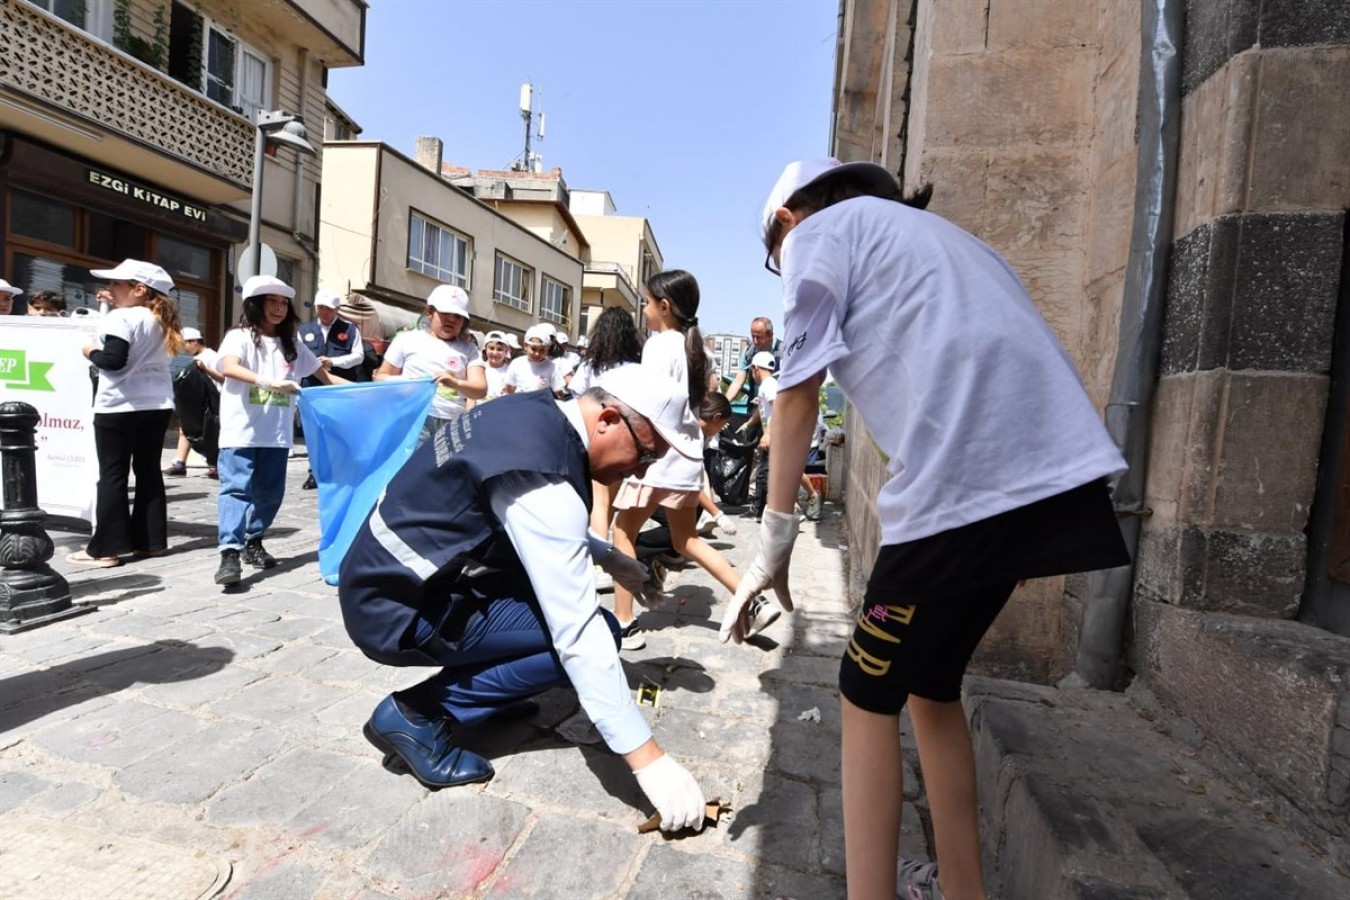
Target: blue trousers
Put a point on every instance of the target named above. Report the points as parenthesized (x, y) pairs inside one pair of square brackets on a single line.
[(252, 485), (505, 654)]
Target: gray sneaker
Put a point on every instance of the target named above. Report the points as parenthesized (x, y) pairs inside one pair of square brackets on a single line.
[(761, 613), (916, 880), (813, 506)]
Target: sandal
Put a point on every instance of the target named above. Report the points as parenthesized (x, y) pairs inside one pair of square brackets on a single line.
[(81, 558)]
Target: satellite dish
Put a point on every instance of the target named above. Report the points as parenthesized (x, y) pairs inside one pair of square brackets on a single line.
[(267, 263)]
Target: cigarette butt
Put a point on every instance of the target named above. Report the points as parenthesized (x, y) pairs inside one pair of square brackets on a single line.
[(712, 812)]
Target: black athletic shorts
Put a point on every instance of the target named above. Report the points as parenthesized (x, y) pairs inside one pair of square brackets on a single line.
[(930, 601)]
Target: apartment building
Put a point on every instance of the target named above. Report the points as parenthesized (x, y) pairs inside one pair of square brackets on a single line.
[(398, 228), (623, 255), (127, 129)]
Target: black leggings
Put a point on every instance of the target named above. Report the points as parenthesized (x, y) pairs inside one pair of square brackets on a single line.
[(130, 442)]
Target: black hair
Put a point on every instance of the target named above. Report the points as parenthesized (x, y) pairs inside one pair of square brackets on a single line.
[(49, 299), (613, 341), (846, 184), (252, 319), (714, 404), (680, 290)]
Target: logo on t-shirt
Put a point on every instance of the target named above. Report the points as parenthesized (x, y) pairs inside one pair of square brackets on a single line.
[(796, 345)]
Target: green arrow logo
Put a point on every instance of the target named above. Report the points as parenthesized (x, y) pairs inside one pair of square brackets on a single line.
[(18, 373)]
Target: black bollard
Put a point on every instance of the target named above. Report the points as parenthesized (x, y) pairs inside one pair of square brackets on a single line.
[(31, 593)]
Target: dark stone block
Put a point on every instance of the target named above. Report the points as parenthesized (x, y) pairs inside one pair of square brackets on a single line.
[(1216, 31), (1253, 573), (1304, 23), (1284, 303)]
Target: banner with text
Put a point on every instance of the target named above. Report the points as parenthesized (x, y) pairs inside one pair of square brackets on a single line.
[(41, 364)]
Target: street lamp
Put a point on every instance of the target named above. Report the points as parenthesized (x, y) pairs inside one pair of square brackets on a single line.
[(282, 129)]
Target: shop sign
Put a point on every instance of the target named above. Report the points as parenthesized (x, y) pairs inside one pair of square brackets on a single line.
[(148, 196)]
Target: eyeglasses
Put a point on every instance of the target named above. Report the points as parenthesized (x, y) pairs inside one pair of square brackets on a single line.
[(771, 265), (646, 455)]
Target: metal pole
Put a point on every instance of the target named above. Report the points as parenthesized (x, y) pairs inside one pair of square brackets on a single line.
[(255, 217)]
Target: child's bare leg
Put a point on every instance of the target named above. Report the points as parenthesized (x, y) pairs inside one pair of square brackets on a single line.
[(873, 791), (688, 544), (183, 448), (948, 762), (626, 527), (602, 508)]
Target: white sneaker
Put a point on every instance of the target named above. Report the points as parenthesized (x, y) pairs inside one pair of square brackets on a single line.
[(916, 880), (631, 637), (762, 612)]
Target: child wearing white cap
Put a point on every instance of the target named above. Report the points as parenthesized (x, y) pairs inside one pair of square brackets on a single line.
[(7, 294), (998, 463), (536, 370), (496, 360), (132, 407), (675, 481), (442, 353), (263, 363), (204, 359)]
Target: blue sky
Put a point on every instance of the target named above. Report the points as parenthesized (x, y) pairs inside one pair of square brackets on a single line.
[(684, 110)]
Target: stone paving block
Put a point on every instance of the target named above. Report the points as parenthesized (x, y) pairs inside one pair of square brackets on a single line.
[(794, 667), (293, 659), (669, 871), (149, 628), (585, 779), (733, 741), (278, 698), (167, 662), (16, 787), (69, 646), (333, 636), (534, 870), (449, 843), (287, 880), (777, 820), (192, 769), (244, 646), (289, 628), (278, 788), (177, 607), (24, 719), (830, 803), (116, 735), (359, 808), (61, 800), (342, 666), (248, 619), (203, 688), (795, 699), (805, 750)]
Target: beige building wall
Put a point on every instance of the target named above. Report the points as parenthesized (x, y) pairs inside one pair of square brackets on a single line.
[(365, 237), (1023, 122)]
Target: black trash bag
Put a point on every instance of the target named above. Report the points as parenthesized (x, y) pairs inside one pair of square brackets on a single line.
[(731, 469), (197, 402)]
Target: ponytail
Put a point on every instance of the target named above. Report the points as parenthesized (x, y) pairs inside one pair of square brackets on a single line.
[(680, 290), (166, 313)]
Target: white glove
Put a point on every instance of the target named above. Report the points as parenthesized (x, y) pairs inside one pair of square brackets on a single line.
[(769, 569), (674, 793), (282, 386), (726, 524), (633, 576)]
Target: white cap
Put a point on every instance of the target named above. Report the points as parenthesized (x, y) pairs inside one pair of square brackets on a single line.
[(264, 285), (561, 336), (799, 174), (327, 299), (583, 342), (449, 299), (512, 341), (148, 274), (495, 337), (764, 360), (191, 334), (477, 337), (538, 334), (7, 288), (661, 400)]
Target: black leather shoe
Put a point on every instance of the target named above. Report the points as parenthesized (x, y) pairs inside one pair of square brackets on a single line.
[(309, 484), (258, 557), (230, 571), (424, 745)]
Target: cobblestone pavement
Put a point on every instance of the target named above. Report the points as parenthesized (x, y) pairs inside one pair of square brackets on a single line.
[(227, 724)]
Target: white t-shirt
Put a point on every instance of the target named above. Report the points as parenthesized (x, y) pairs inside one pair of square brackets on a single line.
[(209, 359), (768, 392), (144, 382), (251, 416), (525, 375), (420, 354), (496, 379), (664, 353), (582, 378), (955, 374)]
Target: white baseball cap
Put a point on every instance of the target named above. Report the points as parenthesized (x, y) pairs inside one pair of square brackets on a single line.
[(264, 285), (327, 299), (561, 336), (148, 274), (191, 334), (449, 299), (7, 288), (661, 400), (512, 341), (495, 337), (764, 360), (538, 334), (799, 174)]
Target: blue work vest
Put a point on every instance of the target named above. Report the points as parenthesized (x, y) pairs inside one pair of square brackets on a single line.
[(340, 342), (449, 549)]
